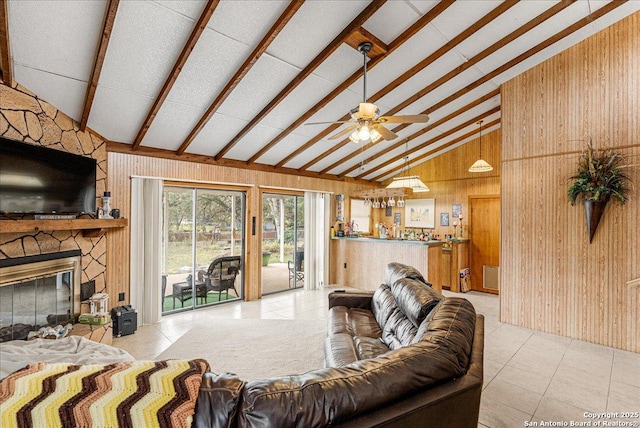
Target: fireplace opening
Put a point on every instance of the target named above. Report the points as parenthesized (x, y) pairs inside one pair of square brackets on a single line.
[(38, 291)]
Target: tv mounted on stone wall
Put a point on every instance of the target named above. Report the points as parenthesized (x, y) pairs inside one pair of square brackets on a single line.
[(39, 180)]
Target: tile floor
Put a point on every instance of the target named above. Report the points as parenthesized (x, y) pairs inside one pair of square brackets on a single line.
[(529, 377)]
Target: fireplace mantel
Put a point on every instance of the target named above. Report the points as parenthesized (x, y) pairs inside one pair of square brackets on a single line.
[(91, 228)]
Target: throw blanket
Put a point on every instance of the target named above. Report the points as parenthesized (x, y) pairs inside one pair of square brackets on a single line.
[(18, 354), (127, 394)]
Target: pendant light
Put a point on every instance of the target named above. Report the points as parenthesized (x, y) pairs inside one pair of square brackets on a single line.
[(480, 165), (406, 180)]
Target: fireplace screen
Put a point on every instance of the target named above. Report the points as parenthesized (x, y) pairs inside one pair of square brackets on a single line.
[(48, 299)]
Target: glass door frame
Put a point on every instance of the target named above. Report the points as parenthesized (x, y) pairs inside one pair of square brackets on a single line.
[(193, 189)]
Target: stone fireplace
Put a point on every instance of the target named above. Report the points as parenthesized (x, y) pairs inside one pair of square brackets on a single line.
[(38, 291)]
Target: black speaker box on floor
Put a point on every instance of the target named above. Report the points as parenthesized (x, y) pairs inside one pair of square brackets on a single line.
[(125, 320)]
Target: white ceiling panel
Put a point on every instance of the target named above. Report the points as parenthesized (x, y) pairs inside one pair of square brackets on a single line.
[(67, 95), (57, 37), (340, 65), (461, 15), (391, 20), (145, 43), (252, 142), (212, 63), (246, 21), (118, 114), (301, 99), (216, 134), (310, 30), (172, 125), (263, 82), (191, 9)]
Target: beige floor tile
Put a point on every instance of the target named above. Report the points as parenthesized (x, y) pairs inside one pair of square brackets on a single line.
[(626, 368), (575, 388), (512, 395), (623, 398), (498, 415), (531, 381), (550, 410)]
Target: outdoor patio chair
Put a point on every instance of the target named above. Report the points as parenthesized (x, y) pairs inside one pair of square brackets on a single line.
[(221, 275), (296, 268)]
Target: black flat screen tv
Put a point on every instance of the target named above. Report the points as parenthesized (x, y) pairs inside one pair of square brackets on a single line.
[(40, 180)]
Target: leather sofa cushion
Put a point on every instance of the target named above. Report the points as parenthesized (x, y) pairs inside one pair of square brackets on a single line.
[(353, 321), (415, 299), (218, 400), (339, 350), (383, 304), (396, 271), (398, 331)]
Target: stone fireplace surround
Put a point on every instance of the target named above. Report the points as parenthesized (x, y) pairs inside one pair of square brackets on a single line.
[(34, 295)]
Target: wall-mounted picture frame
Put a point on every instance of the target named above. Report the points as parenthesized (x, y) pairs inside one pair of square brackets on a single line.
[(444, 219), (456, 210), (397, 218), (420, 213)]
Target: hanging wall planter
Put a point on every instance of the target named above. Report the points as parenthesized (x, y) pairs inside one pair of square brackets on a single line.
[(599, 177), (593, 211)]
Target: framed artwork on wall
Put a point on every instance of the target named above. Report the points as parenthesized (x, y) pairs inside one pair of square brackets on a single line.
[(456, 210), (420, 213), (444, 219)]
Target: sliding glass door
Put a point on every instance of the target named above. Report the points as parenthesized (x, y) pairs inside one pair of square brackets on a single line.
[(282, 242), (203, 247)]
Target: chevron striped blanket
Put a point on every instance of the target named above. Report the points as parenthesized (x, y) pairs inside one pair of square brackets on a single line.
[(129, 394)]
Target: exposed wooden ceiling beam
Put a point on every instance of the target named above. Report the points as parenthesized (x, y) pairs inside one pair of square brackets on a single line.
[(471, 30), (253, 57), (115, 147), (430, 142), (315, 63), (107, 26), (205, 16), (472, 61), (444, 146), (6, 68), (424, 130), (395, 44)]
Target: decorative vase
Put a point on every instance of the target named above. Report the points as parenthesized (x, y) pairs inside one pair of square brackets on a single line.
[(593, 210)]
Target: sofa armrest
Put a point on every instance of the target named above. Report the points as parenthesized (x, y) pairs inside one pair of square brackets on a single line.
[(357, 299)]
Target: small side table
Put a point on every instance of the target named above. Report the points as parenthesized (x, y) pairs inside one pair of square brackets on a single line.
[(98, 333)]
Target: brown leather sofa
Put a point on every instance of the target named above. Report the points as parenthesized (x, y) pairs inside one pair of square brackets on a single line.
[(402, 356)]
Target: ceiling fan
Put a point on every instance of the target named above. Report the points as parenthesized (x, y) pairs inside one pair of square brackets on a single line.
[(366, 122)]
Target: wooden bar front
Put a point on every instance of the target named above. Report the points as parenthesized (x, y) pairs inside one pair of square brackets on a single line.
[(361, 262)]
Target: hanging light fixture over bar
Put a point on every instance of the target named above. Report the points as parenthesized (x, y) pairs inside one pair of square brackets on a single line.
[(480, 165)]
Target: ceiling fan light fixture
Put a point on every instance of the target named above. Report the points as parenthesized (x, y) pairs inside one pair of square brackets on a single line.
[(367, 110), (364, 134), (375, 136)]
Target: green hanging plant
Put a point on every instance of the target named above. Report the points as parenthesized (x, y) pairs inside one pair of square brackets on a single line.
[(599, 176)]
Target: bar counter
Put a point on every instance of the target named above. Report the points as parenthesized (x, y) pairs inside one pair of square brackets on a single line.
[(361, 262)]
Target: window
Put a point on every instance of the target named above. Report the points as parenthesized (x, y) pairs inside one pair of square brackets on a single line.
[(361, 215)]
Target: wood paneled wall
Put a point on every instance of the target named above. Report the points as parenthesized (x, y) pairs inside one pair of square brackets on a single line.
[(551, 278), (451, 183), (123, 166)]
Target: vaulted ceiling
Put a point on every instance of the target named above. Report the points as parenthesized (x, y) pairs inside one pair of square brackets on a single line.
[(236, 82)]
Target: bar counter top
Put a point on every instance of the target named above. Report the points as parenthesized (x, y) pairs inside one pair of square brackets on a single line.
[(387, 241)]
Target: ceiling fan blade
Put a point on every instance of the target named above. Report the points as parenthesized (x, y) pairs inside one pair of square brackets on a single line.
[(410, 118), (326, 123), (386, 134), (343, 132)]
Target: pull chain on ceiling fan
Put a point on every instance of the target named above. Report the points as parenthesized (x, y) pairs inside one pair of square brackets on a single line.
[(366, 124)]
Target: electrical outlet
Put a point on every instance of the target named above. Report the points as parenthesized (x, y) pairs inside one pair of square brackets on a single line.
[(121, 297), (345, 265)]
